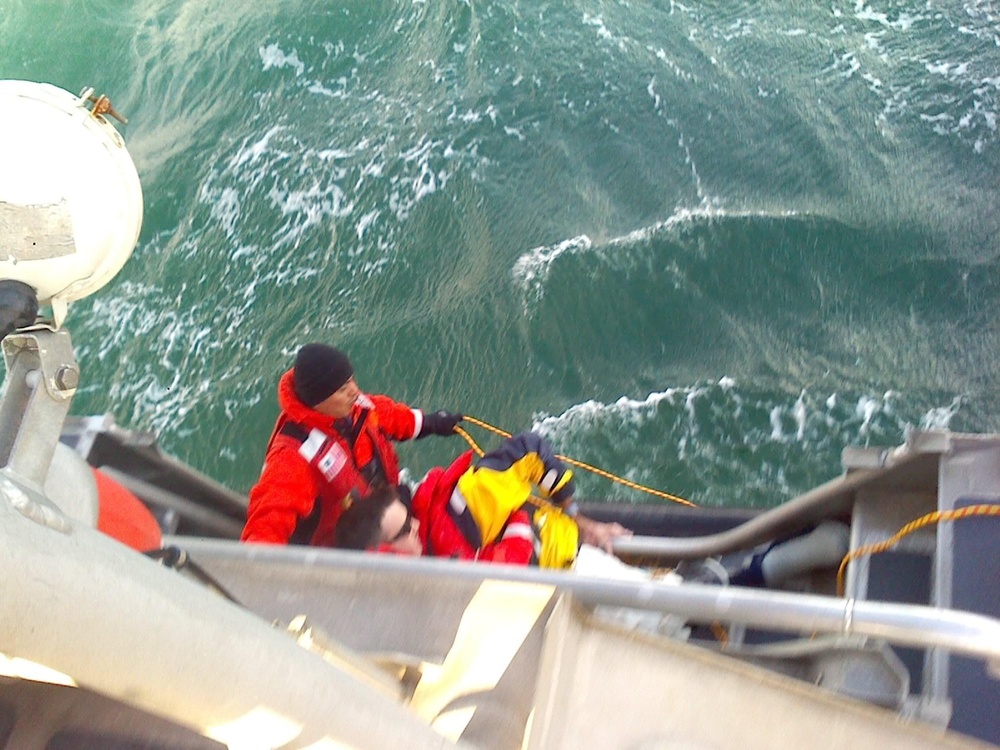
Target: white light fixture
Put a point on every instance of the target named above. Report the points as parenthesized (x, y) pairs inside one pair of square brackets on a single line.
[(70, 198)]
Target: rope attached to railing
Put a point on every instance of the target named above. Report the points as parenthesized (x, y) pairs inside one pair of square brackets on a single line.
[(919, 523)]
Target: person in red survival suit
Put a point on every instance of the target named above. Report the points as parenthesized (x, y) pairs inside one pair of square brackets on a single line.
[(330, 439), (480, 511), (382, 522)]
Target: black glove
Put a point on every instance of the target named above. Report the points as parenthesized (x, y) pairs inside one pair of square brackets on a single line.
[(439, 423)]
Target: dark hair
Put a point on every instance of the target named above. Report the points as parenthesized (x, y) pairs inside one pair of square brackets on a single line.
[(360, 525)]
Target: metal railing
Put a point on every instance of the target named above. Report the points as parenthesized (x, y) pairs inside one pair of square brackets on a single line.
[(902, 624)]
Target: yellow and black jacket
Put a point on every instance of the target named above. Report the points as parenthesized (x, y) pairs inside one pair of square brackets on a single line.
[(482, 510)]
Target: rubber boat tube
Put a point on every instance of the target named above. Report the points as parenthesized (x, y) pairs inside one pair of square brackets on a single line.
[(166, 499), (811, 507), (82, 604)]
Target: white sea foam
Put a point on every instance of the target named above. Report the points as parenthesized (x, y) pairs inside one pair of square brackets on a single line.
[(864, 13), (874, 84), (845, 65), (714, 410), (425, 183), (332, 154), (250, 153), (866, 408), (365, 221), (532, 268), (226, 210), (590, 412), (274, 57), (307, 208), (598, 23), (160, 394), (318, 88), (799, 411), (674, 68), (940, 417), (777, 430), (738, 28), (651, 90), (947, 69)]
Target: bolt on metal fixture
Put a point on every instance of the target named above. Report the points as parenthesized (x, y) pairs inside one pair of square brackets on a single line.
[(67, 378)]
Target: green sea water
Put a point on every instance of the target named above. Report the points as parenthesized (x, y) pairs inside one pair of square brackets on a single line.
[(702, 245)]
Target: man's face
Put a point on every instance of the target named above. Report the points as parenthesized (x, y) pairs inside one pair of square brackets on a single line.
[(338, 404), (400, 530)]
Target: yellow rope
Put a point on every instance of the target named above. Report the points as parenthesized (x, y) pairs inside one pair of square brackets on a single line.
[(720, 632), (571, 462), (926, 520), (468, 438)]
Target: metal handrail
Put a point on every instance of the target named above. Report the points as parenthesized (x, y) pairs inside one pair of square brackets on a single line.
[(902, 624)]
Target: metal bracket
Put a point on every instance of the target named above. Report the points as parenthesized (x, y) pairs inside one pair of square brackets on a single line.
[(42, 377)]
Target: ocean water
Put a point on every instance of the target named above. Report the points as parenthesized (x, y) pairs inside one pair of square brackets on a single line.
[(703, 245)]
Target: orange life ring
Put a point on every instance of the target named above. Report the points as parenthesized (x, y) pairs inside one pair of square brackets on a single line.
[(122, 516)]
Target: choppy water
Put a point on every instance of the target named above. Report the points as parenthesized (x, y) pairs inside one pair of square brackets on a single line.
[(702, 245)]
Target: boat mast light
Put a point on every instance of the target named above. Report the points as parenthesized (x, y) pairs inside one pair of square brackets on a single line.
[(70, 198)]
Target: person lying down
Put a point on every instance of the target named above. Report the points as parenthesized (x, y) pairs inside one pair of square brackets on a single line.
[(483, 510)]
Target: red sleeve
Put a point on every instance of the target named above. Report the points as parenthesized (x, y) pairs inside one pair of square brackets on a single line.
[(397, 420), (515, 546), (421, 503), (285, 493)]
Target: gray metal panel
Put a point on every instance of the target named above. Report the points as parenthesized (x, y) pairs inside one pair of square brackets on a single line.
[(971, 468), (367, 611), (903, 577), (976, 588), (604, 688)]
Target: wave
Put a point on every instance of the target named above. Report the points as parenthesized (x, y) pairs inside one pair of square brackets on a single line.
[(732, 443), (531, 269), (793, 298), (518, 209)]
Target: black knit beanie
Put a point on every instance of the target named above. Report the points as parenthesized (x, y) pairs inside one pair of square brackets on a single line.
[(319, 371)]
